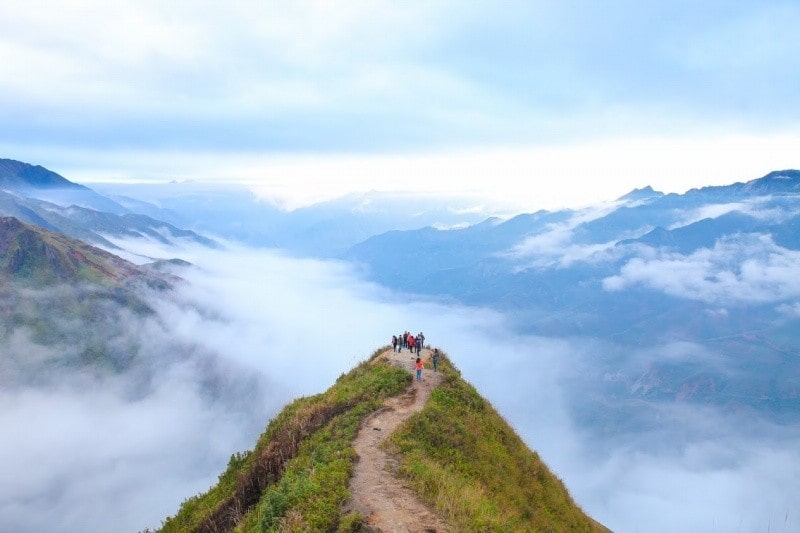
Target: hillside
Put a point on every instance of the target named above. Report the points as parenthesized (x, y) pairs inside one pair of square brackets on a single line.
[(712, 270), (72, 302), (16, 174), (37, 256), (38, 196), (457, 454)]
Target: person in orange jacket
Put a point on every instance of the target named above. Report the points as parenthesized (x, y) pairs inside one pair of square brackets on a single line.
[(418, 365)]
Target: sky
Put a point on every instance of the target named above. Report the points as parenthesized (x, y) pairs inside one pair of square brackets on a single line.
[(550, 104)]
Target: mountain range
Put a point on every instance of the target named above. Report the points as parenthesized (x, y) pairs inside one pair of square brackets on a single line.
[(640, 273), (713, 269), (41, 197), (666, 300)]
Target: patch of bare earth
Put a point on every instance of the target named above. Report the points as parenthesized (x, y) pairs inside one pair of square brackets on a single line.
[(382, 498)]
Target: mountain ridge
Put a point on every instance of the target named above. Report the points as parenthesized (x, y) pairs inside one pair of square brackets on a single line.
[(709, 268), (774, 182), (296, 476), (17, 174), (42, 197), (32, 254)]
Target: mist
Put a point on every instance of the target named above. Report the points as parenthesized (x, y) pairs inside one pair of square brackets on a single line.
[(85, 454)]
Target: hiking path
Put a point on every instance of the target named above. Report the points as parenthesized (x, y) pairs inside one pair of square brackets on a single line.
[(384, 501)]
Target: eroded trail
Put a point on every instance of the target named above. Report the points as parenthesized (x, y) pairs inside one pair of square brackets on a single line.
[(381, 498)]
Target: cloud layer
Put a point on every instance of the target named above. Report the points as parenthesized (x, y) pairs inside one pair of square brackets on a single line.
[(738, 269), (91, 457)]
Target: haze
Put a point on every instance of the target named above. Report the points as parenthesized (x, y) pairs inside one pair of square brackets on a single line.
[(276, 328)]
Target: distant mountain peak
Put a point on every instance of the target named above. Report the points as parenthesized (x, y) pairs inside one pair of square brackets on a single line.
[(16, 175), (776, 181), (642, 194)]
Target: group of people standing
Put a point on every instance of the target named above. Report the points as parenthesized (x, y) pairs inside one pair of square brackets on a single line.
[(415, 343), (408, 340)]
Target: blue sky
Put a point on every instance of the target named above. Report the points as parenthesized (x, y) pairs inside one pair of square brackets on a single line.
[(551, 102)]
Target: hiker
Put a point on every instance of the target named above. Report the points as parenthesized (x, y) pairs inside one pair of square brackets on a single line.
[(418, 366), (436, 359), (394, 343), (411, 342), (421, 338), (418, 344)]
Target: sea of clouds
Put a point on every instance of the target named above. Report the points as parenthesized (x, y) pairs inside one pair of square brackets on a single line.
[(84, 454)]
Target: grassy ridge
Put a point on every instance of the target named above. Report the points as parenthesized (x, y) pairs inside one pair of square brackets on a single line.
[(458, 454), (464, 460), (310, 441)]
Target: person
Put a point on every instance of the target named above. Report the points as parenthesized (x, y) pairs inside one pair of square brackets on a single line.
[(411, 343), (418, 366), (435, 359), (394, 343), (421, 342)]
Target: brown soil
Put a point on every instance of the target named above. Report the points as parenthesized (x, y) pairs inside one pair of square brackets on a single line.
[(384, 501)]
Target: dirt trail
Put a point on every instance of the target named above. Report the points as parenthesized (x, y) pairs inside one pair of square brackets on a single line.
[(386, 504)]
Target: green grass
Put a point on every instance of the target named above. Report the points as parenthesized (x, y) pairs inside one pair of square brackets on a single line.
[(463, 458), (313, 482), (458, 454)]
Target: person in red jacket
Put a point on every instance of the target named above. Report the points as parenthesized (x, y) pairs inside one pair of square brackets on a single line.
[(418, 365)]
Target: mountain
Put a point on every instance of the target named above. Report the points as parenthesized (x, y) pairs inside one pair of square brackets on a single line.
[(777, 182), (456, 454), (644, 193), (71, 301), (39, 196), (710, 270), (564, 246), (18, 175), (40, 257), (326, 229), (43, 184)]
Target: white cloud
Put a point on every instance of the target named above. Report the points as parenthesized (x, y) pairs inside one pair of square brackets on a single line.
[(792, 309), (554, 246), (758, 208), (751, 269), (86, 458), (297, 324)]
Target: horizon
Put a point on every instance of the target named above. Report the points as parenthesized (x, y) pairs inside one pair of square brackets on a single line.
[(280, 195)]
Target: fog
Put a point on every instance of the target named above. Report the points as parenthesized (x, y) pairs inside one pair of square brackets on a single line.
[(744, 268), (83, 454)]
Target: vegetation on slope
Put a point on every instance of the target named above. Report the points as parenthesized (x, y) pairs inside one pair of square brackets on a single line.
[(296, 476), (458, 454), (74, 299), (35, 256), (465, 460)]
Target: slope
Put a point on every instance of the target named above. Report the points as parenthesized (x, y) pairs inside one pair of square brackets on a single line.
[(39, 196), (384, 501), (66, 306), (39, 182), (297, 476), (40, 257)]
